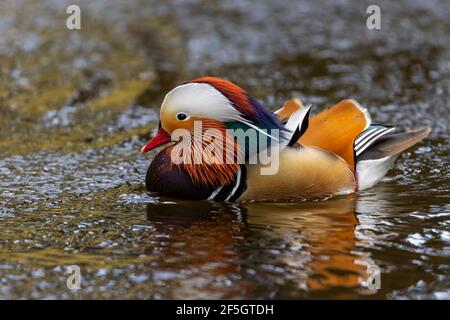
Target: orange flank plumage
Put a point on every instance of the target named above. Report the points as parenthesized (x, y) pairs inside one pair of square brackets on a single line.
[(304, 173)]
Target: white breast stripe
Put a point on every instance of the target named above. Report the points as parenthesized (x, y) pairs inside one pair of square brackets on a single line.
[(214, 193), (236, 186), (367, 138)]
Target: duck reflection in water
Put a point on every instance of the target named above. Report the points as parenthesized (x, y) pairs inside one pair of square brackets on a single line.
[(232, 250)]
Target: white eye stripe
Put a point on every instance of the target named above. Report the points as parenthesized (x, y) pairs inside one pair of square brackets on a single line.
[(200, 100)]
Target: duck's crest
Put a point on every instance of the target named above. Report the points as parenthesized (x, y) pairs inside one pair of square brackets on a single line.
[(250, 108)]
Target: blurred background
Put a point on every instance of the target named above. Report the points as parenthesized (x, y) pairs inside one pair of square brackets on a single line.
[(77, 105)]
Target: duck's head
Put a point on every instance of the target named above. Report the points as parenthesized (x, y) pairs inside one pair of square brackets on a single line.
[(217, 103)]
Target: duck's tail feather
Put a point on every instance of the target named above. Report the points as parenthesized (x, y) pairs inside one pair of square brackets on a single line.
[(374, 162)]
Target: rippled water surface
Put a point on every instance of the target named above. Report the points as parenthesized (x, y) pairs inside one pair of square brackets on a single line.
[(76, 106)]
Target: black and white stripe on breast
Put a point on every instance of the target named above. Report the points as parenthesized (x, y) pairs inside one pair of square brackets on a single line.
[(232, 191)]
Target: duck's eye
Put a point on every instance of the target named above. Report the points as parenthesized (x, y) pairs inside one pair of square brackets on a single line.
[(182, 116)]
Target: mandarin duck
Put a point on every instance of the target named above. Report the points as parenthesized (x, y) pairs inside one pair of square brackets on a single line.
[(338, 151)]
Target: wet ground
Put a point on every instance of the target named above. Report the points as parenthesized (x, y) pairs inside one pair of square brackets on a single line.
[(76, 106)]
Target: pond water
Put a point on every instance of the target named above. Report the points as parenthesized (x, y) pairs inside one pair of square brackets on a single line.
[(76, 106)]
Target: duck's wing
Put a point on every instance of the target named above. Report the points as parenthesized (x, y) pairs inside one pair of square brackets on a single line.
[(333, 130), (377, 148), (391, 144), (336, 129)]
